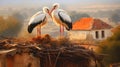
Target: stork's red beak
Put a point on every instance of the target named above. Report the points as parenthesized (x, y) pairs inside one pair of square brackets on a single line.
[(51, 12)]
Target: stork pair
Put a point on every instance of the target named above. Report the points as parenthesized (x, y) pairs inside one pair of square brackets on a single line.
[(59, 16)]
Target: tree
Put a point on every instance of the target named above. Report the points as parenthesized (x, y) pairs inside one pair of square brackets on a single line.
[(111, 47)]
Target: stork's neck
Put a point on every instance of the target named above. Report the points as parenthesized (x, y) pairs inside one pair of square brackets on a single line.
[(46, 10)]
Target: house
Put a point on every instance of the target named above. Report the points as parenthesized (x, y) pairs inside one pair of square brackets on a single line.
[(90, 29)]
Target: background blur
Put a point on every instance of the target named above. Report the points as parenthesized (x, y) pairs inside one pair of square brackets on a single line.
[(15, 14)]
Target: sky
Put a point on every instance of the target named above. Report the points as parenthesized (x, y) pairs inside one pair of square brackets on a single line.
[(34, 3)]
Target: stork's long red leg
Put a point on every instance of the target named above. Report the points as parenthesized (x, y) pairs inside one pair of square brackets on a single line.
[(62, 27), (38, 31), (61, 30)]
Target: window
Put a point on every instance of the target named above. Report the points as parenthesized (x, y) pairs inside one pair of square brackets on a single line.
[(103, 34), (96, 35)]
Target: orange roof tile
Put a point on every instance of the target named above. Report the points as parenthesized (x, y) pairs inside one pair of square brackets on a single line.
[(83, 24), (89, 23)]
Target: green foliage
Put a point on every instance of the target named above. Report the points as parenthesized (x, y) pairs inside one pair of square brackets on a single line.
[(111, 48)]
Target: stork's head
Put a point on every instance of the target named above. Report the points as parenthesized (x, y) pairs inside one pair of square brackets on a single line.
[(55, 6), (46, 10)]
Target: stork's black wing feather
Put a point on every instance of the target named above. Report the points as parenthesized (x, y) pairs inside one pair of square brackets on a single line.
[(39, 19), (65, 19), (32, 26)]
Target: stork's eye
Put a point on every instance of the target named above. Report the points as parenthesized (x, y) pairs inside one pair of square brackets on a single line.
[(48, 10), (55, 6)]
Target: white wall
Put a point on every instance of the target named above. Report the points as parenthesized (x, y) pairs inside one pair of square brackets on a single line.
[(82, 35), (106, 31)]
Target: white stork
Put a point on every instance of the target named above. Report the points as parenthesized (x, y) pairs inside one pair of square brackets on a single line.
[(38, 20), (61, 18)]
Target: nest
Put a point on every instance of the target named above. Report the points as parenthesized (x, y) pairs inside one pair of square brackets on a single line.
[(52, 49)]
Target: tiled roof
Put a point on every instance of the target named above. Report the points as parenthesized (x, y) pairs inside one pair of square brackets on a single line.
[(90, 24)]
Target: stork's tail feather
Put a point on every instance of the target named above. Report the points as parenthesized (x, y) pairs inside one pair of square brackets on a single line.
[(69, 27), (30, 29)]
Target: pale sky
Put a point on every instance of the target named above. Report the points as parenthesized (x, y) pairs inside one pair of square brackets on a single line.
[(29, 3)]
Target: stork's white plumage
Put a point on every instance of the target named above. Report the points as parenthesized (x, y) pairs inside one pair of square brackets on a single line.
[(61, 18), (38, 20)]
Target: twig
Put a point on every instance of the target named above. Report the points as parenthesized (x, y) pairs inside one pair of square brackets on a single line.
[(57, 58), (49, 59), (6, 51)]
